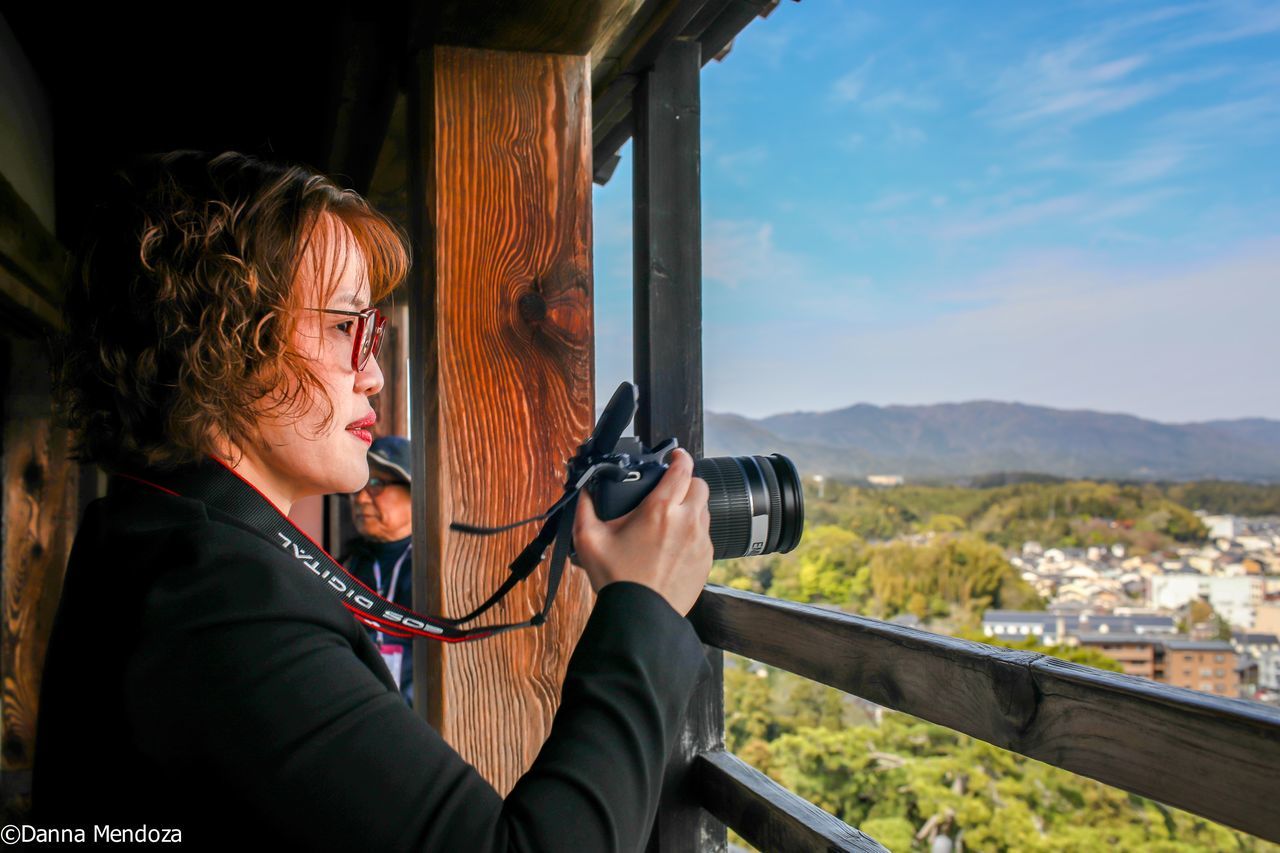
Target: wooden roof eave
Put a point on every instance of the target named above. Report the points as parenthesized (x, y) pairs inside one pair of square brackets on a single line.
[(622, 42), (712, 23), (32, 262)]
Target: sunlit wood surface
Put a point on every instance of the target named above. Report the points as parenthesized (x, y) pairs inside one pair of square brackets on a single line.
[(502, 373)]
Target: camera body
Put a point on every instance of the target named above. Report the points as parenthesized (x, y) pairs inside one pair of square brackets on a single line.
[(615, 491), (756, 502)]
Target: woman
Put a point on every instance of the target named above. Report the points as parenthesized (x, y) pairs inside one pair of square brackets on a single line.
[(198, 677)]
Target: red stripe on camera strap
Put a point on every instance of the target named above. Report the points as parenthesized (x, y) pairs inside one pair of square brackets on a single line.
[(212, 482)]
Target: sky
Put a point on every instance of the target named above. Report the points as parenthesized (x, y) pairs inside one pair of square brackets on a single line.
[(1074, 205)]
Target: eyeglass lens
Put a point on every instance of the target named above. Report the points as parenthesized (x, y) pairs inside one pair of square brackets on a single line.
[(370, 336), (374, 487), (376, 484)]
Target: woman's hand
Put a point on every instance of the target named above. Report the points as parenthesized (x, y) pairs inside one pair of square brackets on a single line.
[(664, 543)]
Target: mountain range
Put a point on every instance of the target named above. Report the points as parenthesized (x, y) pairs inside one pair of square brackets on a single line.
[(958, 440)]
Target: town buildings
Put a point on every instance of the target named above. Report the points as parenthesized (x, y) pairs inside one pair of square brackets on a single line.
[(1166, 617)]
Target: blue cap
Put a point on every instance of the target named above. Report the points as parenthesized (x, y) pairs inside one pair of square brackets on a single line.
[(392, 451)]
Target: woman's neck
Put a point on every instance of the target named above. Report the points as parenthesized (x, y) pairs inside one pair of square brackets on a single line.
[(257, 476)]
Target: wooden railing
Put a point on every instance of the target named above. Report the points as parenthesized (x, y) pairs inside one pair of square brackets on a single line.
[(1215, 757)]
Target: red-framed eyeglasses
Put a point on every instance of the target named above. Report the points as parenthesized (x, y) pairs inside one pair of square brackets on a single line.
[(368, 337)]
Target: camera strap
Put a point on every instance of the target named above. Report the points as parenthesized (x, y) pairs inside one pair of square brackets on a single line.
[(215, 484)]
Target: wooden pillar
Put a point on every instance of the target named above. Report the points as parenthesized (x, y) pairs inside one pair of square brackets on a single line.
[(392, 402), (668, 366), (502, 376), (41, 495), (40, 504)]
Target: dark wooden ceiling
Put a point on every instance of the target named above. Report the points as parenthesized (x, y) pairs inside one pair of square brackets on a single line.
[(316, 85), (252, 78)]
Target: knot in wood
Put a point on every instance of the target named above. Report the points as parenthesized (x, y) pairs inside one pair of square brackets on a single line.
[(33, 477), (532, 307)]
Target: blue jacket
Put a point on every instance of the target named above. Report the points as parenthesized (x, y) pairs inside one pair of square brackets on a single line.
[(358, 558), (198, 677)]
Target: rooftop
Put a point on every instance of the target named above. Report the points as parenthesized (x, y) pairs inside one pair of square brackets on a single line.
[(1198, 646)]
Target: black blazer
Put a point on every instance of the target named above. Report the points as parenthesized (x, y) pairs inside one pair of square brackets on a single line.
[(198, 678)]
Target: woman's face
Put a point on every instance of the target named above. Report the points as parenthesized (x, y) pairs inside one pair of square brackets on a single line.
[(292, 461)]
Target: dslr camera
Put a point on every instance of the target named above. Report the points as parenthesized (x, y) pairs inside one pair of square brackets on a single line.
[(756, 502)]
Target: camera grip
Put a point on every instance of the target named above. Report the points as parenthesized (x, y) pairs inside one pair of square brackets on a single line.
[(614, 499)]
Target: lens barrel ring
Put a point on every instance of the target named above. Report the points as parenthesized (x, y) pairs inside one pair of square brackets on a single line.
[(729, 504), (736, 485)]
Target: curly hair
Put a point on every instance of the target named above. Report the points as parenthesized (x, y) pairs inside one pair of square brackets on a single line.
[(181, 307)]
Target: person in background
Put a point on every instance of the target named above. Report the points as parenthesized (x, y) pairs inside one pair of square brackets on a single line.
[(380, 554)]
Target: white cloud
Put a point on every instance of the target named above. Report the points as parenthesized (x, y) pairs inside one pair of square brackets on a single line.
[(1149, 163), (738, 253), (1069, 82), (1255, 119), (893, 200), (906, 136), (900, 100), (970, 224), (743, 159), (1128, 204), (1247, 21), (1087, 78), (848, 87)]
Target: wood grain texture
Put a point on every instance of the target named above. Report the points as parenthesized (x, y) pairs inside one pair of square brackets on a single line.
[(502, 377), (767, 814), (40, 497), (618, 33), (1212, 756)]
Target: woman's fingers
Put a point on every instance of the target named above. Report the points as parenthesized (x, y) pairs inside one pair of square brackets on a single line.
[(698, 492), (584, 519), (674, 484)]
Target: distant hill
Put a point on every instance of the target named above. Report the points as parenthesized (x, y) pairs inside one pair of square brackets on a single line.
[(980, 438)]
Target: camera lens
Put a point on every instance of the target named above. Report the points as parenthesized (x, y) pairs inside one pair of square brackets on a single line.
[(756, 504)]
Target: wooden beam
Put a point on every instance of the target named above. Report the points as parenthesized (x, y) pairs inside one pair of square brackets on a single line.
[(613, 84), (721, 32), (32, 263), (24, 308), (366, 81), (667, 236), (502, 376), (530, 26), (1212, 756), (767, 814), (389, 186), (642, 48), (713, 23), (668, 367), (39, 519)]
